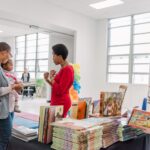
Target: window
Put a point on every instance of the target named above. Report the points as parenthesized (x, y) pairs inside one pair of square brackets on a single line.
[(32, 52), (129, 49), (119, 50)]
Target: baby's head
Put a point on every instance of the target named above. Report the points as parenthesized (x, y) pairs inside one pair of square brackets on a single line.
[(8, 66)]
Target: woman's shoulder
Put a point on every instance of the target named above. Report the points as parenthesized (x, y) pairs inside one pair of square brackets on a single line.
[(68, 68)]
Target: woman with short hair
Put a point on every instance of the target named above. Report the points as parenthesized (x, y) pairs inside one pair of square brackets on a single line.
[(62, 81)]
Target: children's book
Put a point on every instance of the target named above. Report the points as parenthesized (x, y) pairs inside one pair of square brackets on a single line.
[(139, 119), (81, 109), (96, 106), (110, 103)]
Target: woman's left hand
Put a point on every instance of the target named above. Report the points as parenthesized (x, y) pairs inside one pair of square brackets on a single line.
[(52, 74), (46, 75)]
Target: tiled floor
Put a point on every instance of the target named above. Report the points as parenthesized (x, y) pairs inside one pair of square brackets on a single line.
[(32, 105)]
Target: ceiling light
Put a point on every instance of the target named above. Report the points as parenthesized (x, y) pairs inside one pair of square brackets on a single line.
[(1, 31), (106, 3)]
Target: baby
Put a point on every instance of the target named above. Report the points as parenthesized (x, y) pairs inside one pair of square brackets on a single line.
[(13, 97)]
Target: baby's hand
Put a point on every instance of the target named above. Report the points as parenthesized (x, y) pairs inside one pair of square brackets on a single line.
[(17, 87)]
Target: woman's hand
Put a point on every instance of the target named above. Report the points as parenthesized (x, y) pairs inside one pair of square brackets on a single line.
[(46, 76), (52, 74), (17, 87)]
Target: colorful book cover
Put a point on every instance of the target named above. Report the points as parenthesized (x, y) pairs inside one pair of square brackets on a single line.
[(96, 106), (81, 110), (44, 139), (58, 112), (139, 119), (89, 105), (48, 114), (74, 110), (110, 103)]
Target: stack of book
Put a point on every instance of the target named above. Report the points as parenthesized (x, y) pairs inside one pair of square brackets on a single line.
[(24, 133), (73, 134), (110, 135), (126, 132), (48, 114)]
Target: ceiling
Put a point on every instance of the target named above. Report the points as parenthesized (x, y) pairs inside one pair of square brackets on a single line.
[(12, 29), (82, 6)]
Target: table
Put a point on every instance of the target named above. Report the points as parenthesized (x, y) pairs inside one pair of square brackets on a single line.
[(29, 88), (140, 143)]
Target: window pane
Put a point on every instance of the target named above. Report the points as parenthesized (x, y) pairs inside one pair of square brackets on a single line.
[(42, 55), (118, 78), (32, 75), (140, 79), (120, 36), (31, 56), (43, 48), (31, 43), (42, 68), (142, 38), (119, 60), (43, 42), (20, 44), (119, 50), (31, 37), (142, 28), (40, 75), (20, 50), (43, 35), (142, 59), (19, 56), (30, 68), (120, 22), (143, 48), (19, 63), (19, 68), (31, 49), (141, 68), (30, 62), (20, 38), (43, 62), (118, 68), (142, 18)]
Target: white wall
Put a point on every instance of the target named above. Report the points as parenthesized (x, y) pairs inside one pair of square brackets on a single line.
[(43, 14), (66, 40), (135, 93)]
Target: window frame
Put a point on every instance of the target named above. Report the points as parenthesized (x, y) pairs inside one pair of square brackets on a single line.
[(36, 53), (132, 54)]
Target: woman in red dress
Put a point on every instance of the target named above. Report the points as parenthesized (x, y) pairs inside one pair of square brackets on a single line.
[(62, 81)]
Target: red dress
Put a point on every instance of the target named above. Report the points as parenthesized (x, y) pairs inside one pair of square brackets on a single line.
[(60, 88)]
